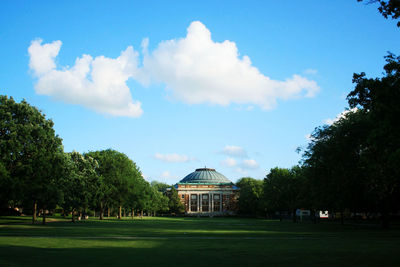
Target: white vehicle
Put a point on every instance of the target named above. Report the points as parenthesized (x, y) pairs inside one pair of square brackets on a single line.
[(323, 214)]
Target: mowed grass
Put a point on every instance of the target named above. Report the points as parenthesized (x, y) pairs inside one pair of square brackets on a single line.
[(195, 242)]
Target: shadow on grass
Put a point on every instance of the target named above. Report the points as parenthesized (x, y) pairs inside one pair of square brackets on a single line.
[(195, 227), (82, 252)]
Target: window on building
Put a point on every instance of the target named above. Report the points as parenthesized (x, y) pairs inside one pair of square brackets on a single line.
[(193, 202), (183, 196), (205, 202), (217, 203)]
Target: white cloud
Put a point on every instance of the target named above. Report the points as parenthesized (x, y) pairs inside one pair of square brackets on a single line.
[(249, 164), (235, 151), (198, 70), (241, 171), (165, 175), (173, 157), (97, 83), (229, 162), (195, 69), (240, 167), (339, 116), (310, 71), (42, 56)]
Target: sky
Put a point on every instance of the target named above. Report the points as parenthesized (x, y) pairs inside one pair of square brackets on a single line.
[(179, 85)]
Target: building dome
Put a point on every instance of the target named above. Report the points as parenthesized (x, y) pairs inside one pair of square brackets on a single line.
[(205, 176)]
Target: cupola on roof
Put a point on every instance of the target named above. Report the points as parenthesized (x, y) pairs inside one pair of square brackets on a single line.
[(205, 176)]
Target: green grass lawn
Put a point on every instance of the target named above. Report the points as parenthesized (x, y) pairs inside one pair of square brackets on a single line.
[(194, 242)]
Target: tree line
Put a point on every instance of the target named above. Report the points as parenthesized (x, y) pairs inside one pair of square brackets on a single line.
[(351, 165), (37, 175)]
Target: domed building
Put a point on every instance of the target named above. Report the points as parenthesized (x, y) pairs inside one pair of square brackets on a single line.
[(207, 192)]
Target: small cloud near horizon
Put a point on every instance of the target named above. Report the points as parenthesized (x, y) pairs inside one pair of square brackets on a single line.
[(174, 157)]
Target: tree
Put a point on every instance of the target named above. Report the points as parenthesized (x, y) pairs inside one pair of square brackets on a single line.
[(159, 198), (158, 202), (32, 155), (282, 190), (388, 8), (5, 186), (118, 174), (174, 204), (379, 98), (160, 187), (333, 162), (79, 185), (250, 199), (353, 163)]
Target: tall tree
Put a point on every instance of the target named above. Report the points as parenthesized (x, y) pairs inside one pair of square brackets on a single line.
[(175, 205), (79, 185), (118, 173), (379, 98), (333, 160), (31, 153), (282, 189), (250, 199)]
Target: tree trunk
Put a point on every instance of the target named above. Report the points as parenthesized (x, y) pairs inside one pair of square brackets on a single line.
[(141, 214), (108, 212), (133, 213), (119, 212), (101, 211), (73, 215), (314, 216), (34, 212), (44, 217)]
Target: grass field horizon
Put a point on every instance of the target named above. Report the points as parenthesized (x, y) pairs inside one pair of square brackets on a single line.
[(185, 241)]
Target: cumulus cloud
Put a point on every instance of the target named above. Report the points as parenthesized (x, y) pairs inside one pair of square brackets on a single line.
[(173, 157), (339, 116), (234, 151), (97, 83), (229, 162), (310, 71), (195, 69), (249, 164), (240, 166), (198, 70)]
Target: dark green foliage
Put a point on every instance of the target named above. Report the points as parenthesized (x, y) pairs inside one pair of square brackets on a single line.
[(32, 155), (285, 190), (160, 187), (80, 184), (250, 199), (333, 159), (119, 176), (388, 8), (379, 99), (353, 163), (174, 204)]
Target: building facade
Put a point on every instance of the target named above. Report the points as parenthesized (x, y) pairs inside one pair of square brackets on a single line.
[(207, 192)]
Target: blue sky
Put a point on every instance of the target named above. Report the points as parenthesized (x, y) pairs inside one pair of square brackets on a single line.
[(178, 85)]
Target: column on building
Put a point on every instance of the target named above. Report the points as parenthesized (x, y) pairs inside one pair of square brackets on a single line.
[(199, 206), (212, 202)]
